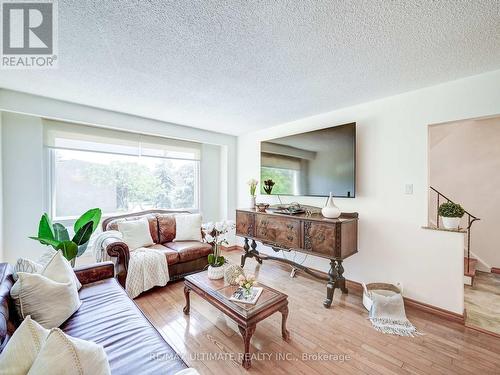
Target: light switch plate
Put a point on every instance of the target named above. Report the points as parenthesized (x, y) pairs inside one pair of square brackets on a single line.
[(409, 189)]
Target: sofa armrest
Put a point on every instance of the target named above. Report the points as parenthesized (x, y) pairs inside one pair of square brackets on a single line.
[(120, 251), (95, 272)]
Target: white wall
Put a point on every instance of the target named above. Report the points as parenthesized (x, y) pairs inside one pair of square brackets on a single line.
[(22, 138), (392, 152), (210, 174), (23, 184)]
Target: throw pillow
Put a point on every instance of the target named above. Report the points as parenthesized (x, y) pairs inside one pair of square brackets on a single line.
[(50, 297), (46, 256), (59, 269), (65, 355), (29, 266), (136, 233), (26, 265), (22, 348), (188, 227)]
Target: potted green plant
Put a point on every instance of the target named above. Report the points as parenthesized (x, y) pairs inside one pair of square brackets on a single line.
[(215, 235), (57, 236), (451, 213)]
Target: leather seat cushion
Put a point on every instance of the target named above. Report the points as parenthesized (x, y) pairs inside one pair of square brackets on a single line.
[(153, 224), (190, 250), (171, 255), (166, 227), (133, 346)]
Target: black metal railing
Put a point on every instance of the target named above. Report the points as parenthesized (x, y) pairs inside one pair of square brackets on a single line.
[(470, 220)]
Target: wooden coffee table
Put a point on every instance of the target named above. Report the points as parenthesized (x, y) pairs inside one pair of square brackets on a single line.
[(246, 316)]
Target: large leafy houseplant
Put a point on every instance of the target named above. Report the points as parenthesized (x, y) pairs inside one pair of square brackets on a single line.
[(57, 236)]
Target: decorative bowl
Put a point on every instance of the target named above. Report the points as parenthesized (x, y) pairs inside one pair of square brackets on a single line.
[(262, 207)]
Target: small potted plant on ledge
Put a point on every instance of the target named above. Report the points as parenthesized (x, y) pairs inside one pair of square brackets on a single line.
[(451, 213), (215, 235)]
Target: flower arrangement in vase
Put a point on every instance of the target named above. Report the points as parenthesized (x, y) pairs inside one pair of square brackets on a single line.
[(215, 235), (252, 183), (246, 282)]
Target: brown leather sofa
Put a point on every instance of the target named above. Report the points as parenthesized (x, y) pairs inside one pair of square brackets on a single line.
[(183, 258), (107, 317)]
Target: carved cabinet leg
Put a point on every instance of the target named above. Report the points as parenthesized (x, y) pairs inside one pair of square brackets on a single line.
[(341, 279), (332, 283), (284, 315), (188, 302), (254, 252), (247, 333), (329, 294), (246, 247)]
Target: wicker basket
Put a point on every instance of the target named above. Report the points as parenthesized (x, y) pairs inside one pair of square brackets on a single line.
[(382, 288)]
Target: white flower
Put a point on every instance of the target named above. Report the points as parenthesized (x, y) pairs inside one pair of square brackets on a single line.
[(209, 238), (219, 226), (252, 182), (208, 227)]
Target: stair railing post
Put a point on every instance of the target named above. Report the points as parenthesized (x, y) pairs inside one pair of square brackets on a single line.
[(468, 242), (437, 211)]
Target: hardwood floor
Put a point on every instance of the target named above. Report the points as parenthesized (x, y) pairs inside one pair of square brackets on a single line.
[(211, 343), (482, 302)]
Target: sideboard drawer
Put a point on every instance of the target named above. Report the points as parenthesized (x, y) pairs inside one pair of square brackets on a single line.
[(278, 231), (244, 224), (319, 238)]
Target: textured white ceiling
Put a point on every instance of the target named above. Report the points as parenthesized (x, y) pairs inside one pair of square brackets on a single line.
[(236, 66)]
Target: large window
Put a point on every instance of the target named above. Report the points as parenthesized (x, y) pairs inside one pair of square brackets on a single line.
[(118, 172)]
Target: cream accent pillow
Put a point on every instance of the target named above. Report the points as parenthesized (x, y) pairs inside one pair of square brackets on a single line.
[(65, 355), (50, 257), (50, 297), (22, 348), (136, 233), (59, 269), (187, 227)]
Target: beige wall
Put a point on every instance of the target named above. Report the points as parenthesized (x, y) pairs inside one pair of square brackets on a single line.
[(464, 164)]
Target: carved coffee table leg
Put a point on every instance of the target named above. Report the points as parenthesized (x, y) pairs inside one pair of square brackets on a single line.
[(284, 315), (247, 333), (188, 302)]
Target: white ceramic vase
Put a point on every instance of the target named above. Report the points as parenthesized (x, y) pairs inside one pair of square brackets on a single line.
[(330, 211), (252, 202), (451, 222), (215, 273)]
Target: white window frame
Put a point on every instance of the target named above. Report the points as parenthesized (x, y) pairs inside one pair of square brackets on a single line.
[(70, 220)]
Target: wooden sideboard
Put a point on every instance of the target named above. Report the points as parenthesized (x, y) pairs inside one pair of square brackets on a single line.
[(334, 239)]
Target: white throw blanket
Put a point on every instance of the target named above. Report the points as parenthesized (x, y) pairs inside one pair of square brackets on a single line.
[(387, 315), (146, 268)]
